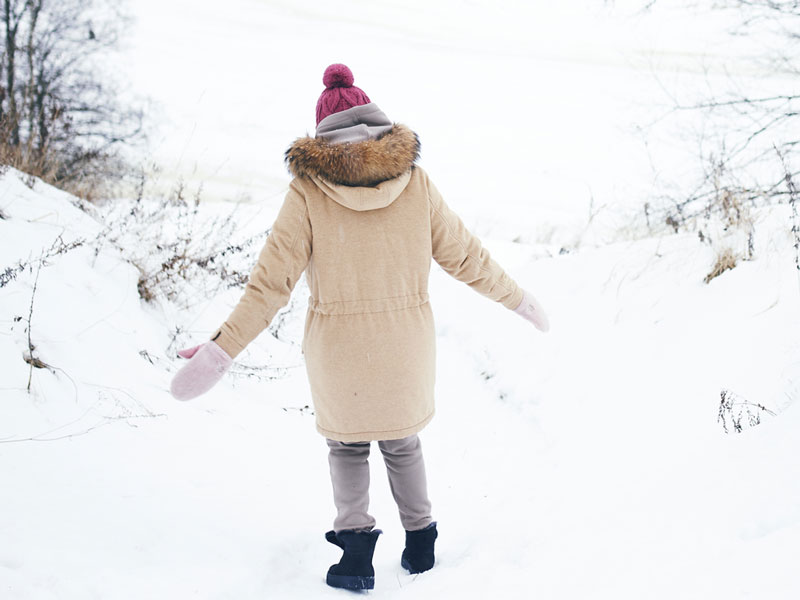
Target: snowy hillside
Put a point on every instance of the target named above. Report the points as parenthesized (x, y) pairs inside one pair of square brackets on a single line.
[(600, 461), (585, 463)]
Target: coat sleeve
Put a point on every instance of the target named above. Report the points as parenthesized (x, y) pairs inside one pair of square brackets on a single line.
[(282, 260), (461, 255)]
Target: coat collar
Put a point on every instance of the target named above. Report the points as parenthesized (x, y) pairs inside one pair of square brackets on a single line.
[(359, 164)]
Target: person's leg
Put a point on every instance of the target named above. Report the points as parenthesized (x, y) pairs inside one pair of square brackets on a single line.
[(409, 485), (353, 529), (350, 478), (407, 480)]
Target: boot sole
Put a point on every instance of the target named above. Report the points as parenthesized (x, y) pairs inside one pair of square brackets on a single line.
[(414, 571), (351, 582)]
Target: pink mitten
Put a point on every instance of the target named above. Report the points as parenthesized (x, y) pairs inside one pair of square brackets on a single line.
[(531, 310), (208, 363)]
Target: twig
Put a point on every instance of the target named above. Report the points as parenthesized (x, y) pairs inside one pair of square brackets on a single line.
[(30, 316), (105, 420), (148, 413), (56, 249), (793, 196), (737, 102), (98, 425)]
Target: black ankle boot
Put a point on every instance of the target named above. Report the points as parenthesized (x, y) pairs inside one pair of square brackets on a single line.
[(418, 555), (354, 571)]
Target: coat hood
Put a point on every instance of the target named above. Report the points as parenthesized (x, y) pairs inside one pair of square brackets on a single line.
[(364, 197), (359, 175)]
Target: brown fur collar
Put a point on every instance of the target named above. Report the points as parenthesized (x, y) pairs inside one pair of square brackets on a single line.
[(365, 163)]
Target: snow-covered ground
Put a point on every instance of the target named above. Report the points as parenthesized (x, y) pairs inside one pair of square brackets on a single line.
[(585, 463)]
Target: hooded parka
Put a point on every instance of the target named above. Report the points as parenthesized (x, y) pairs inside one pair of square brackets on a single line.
[(363, 221)]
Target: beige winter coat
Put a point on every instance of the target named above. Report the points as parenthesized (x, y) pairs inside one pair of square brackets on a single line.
[(364, 222)]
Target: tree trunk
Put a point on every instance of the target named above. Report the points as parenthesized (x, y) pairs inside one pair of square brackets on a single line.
[(11, 23), (41, 117), (31, 92)]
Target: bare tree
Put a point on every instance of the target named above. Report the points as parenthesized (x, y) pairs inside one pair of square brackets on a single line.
[(744, 126), (60, 113)]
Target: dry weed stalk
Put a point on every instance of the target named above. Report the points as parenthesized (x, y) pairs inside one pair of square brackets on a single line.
[(793, 201), (30, 359), (737, 413)]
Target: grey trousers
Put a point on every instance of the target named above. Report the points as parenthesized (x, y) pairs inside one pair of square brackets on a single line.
[(350, 479)]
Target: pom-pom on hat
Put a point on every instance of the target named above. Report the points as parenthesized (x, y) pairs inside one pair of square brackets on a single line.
[(340, 93)]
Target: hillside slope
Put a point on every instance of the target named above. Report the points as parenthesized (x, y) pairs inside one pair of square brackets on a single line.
[(585, 463)]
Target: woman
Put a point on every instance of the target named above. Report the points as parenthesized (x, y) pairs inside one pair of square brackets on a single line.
[(363, 221)]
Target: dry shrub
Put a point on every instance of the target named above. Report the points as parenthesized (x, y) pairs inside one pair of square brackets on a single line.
[(726, 260), (181, 257), (723, 220)]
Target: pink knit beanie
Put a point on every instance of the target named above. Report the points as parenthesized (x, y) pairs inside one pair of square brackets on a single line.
[(340, 93)]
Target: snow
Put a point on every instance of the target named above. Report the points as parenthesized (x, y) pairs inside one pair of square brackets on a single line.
[(584, 463), (548, 99), (587, 462)]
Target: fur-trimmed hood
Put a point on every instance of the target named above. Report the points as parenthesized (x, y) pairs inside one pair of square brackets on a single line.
[(356, 164)]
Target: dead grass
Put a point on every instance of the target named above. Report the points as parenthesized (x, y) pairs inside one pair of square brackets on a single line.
[(16, 157), (96, 182), (726, 260)]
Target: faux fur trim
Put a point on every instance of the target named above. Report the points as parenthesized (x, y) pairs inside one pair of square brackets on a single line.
[(365, 163)]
